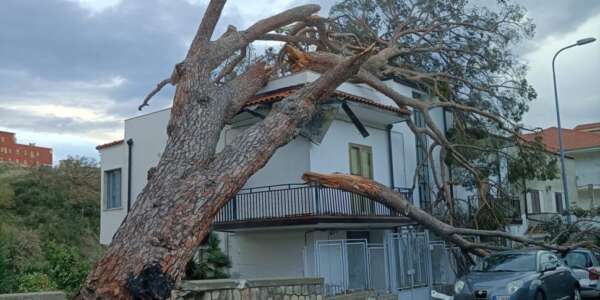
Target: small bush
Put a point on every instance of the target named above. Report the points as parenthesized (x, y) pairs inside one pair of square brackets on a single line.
[(35, 282), (65, 266)]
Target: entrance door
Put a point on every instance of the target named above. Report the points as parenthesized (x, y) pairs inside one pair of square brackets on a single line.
[(409, 258)]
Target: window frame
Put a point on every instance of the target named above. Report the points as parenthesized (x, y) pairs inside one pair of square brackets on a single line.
[(539, 201), (556, 202), (106, 189), (361, 148)]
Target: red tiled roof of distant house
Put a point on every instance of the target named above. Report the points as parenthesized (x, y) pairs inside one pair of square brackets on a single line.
[(572, 139), (25, 155)]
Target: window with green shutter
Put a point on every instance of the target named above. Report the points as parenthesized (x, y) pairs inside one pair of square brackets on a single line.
[(361, 164)]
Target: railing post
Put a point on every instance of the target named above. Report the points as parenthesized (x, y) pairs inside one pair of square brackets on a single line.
[(317, 201), (234, 206)]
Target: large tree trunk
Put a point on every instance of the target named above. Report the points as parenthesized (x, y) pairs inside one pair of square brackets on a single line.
[(192, 181)]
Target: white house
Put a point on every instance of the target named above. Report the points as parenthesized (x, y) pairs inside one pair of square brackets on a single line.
[(279, 227), (582, 149)]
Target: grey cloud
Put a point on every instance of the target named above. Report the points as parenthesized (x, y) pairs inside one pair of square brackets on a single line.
[(559, 17), (58, 40), (23, 120)]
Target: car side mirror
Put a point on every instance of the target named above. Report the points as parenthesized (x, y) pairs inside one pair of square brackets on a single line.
[(549, 266)]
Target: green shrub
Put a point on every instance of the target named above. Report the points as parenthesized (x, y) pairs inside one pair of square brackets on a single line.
[(209, 262), (6, 279), (65, 266), (35, 282)]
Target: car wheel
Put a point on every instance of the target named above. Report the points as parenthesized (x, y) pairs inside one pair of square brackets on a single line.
[(576, 294), (539, 295)]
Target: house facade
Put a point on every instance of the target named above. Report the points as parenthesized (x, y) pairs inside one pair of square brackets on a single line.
[(25, 155), (278, 226), (582, 151)]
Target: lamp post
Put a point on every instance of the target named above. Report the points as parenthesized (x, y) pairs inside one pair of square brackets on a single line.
[(560, 139)]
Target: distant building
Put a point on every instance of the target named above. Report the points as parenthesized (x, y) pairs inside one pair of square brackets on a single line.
[(26, 155), (582, 144)]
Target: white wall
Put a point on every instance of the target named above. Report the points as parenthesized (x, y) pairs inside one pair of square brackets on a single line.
[(332, 155), (286, 166), (587, 164), (149, 135), (588, 167), (262, 254), (110, 219), (549, 187)]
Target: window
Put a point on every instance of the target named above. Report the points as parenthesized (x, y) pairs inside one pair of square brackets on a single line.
[(112, 183), (361, 164), (535, 202), (559, 202), (361, 161)]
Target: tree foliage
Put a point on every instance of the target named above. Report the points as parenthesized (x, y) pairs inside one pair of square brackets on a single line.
[(462, 56), (209, 262)]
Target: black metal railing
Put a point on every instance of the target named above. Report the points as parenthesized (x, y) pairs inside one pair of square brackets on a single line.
[(510, 206), (301, 200)]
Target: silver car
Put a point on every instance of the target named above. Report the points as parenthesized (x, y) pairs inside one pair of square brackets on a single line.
[(586, 267), (516, 275)]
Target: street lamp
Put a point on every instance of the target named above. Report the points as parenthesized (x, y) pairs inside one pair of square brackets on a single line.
[(560, 140)]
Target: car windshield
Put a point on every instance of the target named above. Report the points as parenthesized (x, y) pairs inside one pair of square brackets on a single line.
[(577, 260), (507, 262)]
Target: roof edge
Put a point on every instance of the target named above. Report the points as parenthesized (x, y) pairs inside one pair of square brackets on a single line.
[(111, 144)]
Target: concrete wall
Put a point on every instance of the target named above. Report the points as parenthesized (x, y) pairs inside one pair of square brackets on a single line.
[(286, 166), (332, 155), (35, 296), (259, 254), (110, 219), (149, 135), (588, 167), (252, 289), (588, 178)]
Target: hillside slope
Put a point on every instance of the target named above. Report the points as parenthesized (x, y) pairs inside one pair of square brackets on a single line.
[(49, 223)]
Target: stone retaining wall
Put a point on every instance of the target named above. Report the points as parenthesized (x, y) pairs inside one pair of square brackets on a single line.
[(251, 289), (35, 296), (363, 295)]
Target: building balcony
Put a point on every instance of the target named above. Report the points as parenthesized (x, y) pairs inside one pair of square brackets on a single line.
[(303, 204)]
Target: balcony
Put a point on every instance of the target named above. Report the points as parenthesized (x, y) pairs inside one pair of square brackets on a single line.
[(301, 204)]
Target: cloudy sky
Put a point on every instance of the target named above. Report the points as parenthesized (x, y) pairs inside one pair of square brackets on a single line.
[(72, 70)]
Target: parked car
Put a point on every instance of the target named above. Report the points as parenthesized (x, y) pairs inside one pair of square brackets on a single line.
[(586, 267), (516, 275)]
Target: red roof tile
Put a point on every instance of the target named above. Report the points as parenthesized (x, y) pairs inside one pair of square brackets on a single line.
[(572, 139), (280, 94), (114, 143)]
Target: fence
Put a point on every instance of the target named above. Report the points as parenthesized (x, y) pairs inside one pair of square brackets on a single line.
[(297, 200)]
